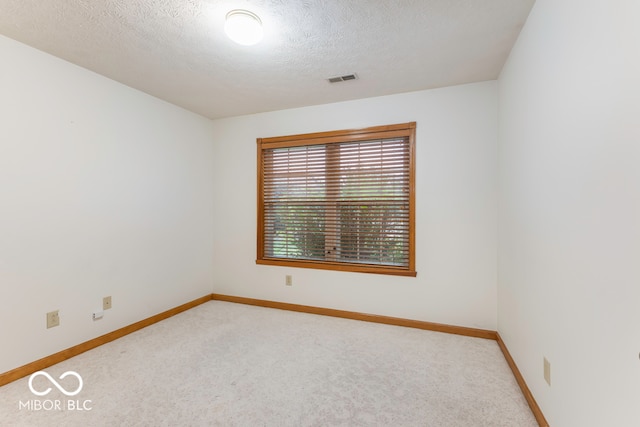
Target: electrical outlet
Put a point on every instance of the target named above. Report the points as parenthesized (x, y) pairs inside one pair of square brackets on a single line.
[(53, 319), (547, 371), (106, 303), (288, 280)]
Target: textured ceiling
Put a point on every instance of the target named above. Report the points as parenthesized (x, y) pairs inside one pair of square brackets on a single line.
[(176, 50)]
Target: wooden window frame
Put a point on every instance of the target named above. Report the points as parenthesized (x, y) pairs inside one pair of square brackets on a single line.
[(404, 130)]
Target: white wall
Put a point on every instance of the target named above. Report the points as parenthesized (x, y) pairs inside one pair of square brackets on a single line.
[(456, 209), (103, 191), (569, 258)]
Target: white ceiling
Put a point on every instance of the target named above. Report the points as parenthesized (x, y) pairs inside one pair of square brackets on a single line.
[(176, 50)]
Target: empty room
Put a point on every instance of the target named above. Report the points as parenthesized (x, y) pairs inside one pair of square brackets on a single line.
[(320, 213)]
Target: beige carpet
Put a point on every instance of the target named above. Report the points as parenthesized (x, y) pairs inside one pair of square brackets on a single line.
[(224, 364)]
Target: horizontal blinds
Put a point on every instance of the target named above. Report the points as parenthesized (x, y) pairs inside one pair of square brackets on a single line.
[(339, 202)]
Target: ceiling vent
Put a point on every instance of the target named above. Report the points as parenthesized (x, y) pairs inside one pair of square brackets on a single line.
[(343, 78)]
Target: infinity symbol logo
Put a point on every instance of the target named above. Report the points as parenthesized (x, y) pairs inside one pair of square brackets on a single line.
[(55, 383)]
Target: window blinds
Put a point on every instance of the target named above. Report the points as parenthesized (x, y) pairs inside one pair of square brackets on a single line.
[(343, 202)]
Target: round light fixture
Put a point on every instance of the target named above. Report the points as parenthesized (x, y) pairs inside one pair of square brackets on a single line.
[(243, 27)]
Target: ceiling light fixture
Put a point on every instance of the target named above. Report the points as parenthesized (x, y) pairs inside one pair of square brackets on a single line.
[(243, 27)]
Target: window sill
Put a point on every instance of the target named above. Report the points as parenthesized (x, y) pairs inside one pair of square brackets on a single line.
[(340, 266)]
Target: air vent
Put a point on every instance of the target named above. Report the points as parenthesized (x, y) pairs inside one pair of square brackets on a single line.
[(343, 78)]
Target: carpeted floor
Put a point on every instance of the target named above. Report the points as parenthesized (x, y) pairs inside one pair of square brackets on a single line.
[(224, 364)]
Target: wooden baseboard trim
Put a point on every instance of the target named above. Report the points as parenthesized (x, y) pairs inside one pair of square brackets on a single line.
[(45, 362), (429, 326), (537, 412)]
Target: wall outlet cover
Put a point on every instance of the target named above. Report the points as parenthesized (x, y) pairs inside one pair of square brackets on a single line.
[(547, 371), (53, 319)]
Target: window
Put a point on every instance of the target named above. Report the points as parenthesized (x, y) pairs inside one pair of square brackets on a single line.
[(341, 200)]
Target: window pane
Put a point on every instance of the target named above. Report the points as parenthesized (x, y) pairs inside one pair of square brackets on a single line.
[(294, 202)]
